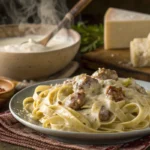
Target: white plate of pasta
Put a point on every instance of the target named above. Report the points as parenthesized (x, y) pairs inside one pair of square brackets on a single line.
[(101, 108)]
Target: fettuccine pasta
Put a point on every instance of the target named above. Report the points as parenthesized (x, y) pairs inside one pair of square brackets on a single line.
[(100, 103)]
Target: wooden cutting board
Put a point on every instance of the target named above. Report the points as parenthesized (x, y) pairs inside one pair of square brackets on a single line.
[(115, 59)]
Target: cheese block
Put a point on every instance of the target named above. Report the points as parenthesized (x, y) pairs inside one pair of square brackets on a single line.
[(140, 52), (122, 26)]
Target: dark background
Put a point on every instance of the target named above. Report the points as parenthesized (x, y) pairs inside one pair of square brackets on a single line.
[(94, 13)]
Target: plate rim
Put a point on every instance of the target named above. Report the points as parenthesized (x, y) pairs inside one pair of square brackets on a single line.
[(71, 132)]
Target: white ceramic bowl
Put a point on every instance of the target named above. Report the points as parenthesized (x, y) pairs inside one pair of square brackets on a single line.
[(33, 65)]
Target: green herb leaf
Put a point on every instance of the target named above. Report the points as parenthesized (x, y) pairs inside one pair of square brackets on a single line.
[(91, 36)]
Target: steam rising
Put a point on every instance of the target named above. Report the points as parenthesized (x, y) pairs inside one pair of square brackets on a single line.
[(34, 11)]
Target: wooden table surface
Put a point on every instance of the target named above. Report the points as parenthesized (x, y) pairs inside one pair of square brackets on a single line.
[(117, 59), (7, 146)]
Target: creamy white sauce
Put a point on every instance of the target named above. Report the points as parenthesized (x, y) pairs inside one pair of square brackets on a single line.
[(29, 43)]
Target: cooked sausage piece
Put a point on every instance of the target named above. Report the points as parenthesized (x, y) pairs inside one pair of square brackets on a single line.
[(104, 114), (76, 100), (115, 93), (104, 74), (86, 83)]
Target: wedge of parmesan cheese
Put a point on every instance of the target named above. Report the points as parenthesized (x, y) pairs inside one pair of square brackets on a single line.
[(140, 52), (122, 26)]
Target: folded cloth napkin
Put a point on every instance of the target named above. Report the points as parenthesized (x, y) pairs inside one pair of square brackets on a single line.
[(13, 132)]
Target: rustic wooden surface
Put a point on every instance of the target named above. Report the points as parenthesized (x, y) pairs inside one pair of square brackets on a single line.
[(7, 146), (115, 59)]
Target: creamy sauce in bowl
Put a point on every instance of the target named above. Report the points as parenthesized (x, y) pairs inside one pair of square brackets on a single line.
[(29, 43)]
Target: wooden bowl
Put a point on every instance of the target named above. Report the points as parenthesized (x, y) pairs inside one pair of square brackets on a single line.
[(34, 65), (9, 89)]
